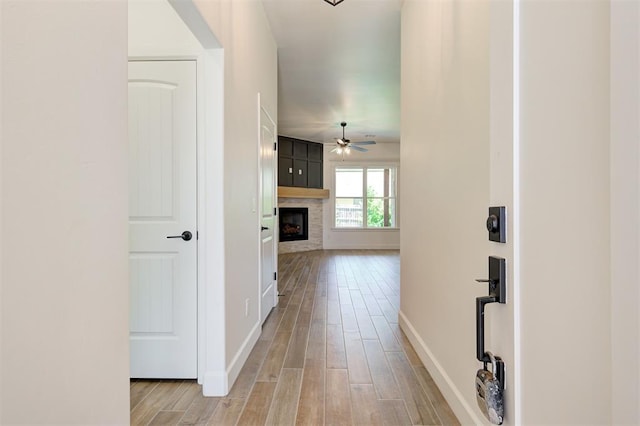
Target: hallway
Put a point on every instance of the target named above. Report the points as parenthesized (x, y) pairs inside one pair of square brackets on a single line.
[(330, 353)]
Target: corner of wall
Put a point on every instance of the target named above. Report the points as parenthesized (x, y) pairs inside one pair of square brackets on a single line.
[(215, 384), (219, 383)]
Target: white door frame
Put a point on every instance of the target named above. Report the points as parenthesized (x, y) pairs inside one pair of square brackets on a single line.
[(210, 242), (211, 307), (212, 374)]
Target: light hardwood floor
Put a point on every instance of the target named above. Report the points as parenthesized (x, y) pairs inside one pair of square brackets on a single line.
[(331, 353)]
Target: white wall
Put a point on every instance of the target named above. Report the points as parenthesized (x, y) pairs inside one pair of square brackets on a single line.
[(155, 28), (64, 240), (445, 187), (250, 67), (380, 154), (564, 194), (625, 211)]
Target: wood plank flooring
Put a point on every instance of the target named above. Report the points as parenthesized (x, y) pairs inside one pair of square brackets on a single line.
[(331, 353)]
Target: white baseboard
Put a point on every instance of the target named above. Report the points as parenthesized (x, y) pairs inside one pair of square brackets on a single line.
[(465, 413), (243, 353), (220, 383)]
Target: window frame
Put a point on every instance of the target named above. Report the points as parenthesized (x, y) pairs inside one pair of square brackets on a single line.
[(365, 199)]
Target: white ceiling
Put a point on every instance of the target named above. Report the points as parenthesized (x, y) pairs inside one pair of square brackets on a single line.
[(337, 64)]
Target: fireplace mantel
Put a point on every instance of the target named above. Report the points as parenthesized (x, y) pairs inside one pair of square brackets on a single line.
[(293, 192)]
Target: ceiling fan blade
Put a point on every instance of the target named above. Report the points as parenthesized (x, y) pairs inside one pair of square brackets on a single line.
[(364, 143), (357, 148), (334, 149)]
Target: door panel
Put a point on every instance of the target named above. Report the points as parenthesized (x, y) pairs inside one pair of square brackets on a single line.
[(315, 152), (268, 290), (285, 146), (162, 202), (151, 295), (151, 146), (314, 174), (300, 150)]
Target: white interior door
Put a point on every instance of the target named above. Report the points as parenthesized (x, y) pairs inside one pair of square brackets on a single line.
[(162, 204), (268, 290)]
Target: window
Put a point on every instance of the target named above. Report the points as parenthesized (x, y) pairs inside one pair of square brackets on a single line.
[(365, 197)]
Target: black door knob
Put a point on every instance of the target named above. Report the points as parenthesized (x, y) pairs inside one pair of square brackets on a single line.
[(186, 235), (263, 228)]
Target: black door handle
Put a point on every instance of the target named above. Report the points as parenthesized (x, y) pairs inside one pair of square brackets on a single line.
[(186, 235), (263, 228), (497, 293), (480, 304)]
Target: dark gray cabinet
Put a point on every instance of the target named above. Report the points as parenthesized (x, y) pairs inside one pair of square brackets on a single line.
[(285, 171), (299, 163), (300, 173), (314, 174), (314, 152), (285, 147)]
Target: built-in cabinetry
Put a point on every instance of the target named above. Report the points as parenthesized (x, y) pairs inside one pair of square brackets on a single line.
[(299, 163)]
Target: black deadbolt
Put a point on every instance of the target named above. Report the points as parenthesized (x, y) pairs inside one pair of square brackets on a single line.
[(496, 224)]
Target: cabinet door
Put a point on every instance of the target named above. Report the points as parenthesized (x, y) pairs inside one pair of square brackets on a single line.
[(300, 173), (300, 150), (314, 152), (285, 171), (285, 147), (314, 177)]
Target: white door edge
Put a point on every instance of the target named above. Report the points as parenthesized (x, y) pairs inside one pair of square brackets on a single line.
[(260, 111)]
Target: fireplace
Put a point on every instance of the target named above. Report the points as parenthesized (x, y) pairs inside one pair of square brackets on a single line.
[(294, 223)]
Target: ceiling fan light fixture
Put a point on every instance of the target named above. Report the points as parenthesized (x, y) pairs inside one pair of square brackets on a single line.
[(344, 145), (334, 2)]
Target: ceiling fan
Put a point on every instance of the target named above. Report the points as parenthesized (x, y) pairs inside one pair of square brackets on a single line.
[(344, 145)]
